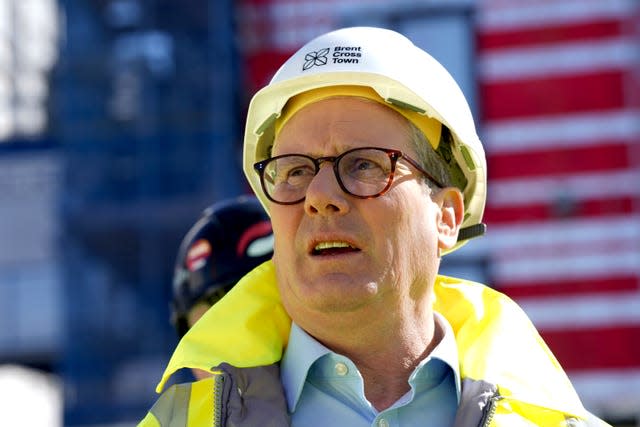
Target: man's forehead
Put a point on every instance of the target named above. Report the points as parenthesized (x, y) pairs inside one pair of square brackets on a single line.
[(429, 127), (342, 123)]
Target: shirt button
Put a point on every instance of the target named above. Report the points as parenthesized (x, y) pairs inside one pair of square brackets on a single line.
[(341, 369), (383, 423)]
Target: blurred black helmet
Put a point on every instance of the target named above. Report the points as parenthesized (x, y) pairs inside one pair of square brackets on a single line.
[(228, 240)]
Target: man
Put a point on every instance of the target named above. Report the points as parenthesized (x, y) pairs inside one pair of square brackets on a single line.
[(229, 239), (364, 152)]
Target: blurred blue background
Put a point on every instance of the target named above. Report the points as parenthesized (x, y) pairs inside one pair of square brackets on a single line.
[(120, 120)]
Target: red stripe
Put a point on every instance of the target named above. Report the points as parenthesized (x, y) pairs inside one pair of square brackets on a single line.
[(261, 66), (549, 96), (549, 34), (564, 287), (596, 348), (545, 211), (633, 86), (608, 156), (254, 232)]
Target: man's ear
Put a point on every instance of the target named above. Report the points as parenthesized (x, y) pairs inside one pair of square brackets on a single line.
[(450, 217)]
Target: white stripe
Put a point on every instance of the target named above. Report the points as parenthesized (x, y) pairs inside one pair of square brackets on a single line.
[(584, 231), (556, 265), (580, 236), (557, 59), (609, 392), (521, 15), (563, 189), (600, 310), (292, 23), (551, 250), (569, 130)]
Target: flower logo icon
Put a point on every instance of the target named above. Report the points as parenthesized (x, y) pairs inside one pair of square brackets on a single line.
[(312, 59)]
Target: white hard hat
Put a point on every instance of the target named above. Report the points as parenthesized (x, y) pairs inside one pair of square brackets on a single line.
[(401, 73)]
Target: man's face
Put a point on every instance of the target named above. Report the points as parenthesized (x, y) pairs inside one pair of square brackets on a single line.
[(338, 254)]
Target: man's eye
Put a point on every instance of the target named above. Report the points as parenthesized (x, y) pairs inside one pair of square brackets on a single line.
[(299, 171), (365, 164)]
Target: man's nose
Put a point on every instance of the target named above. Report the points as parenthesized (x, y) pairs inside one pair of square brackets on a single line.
[(324, 195)]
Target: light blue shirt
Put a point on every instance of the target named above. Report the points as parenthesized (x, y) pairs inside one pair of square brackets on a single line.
[(324, 388)]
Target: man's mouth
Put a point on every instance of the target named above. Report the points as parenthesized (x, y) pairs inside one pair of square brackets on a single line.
[(333, 248)]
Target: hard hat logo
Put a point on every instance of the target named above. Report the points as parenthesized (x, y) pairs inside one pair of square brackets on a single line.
[(318, 58), (337, 55), (256, 241), (198, 255)]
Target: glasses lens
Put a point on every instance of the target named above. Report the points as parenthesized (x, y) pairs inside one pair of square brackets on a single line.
[(286, 178), (365, 172)]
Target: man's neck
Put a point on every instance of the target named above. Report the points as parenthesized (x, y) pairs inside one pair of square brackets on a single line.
[(386, 379), (387, 359)]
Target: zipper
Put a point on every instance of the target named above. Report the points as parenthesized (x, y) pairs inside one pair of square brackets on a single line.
[(218, 387), (489, 410)]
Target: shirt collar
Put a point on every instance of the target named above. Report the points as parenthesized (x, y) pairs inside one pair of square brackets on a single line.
[(446, 351), (303, 351)]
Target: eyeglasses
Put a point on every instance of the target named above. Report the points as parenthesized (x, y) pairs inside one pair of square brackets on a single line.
[(361, 172)]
